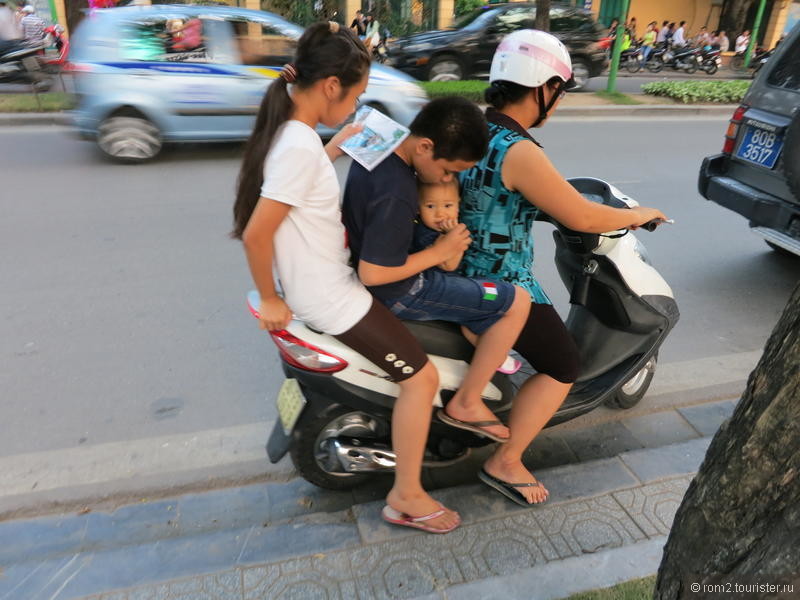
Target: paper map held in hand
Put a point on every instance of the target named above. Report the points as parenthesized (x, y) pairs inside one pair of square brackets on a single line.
[(379, 138)]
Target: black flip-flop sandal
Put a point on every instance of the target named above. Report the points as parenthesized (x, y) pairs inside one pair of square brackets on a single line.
[(509, 490), (475, 427)]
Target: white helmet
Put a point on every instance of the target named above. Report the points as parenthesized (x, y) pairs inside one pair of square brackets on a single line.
[(28, 9), (531, 58)]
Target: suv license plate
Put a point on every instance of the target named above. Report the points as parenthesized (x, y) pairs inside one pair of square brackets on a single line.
[(760, 146), (290, 404)]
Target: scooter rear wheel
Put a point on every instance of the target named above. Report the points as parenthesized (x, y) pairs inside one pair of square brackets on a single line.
[(635, 388), (313, 456)]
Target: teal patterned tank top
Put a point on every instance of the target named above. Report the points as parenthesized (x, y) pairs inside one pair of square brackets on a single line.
[(500, 220)]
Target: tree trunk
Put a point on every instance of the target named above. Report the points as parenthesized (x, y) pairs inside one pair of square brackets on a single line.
[(740, 519), (733, 19), (543, 15)]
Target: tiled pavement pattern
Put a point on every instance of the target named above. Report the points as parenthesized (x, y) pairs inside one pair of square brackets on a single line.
[(417, 564), (294, 541)]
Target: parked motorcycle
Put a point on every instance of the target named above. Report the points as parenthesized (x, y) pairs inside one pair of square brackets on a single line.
[(710, 59), (655, 61), (19, 64), (759, 57), (632, 59), (682, 59), (335, 407)]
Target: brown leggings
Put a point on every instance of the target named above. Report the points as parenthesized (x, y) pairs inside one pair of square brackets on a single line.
[(381, 338)]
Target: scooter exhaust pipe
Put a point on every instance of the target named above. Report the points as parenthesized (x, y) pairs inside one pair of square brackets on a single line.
[(354, 457)]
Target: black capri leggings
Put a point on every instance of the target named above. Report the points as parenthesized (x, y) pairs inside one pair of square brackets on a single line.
[(548, 346)]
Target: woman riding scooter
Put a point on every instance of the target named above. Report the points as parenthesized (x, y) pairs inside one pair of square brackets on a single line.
[(501, 195)]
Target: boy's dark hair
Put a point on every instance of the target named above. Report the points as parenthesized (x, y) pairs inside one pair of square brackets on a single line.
[(324, 50), (456, 127)]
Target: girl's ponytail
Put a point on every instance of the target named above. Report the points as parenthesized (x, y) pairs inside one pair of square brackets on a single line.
[(324, 50), (275, 110)]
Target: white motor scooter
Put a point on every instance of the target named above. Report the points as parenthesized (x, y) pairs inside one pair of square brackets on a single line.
[(335, 406)]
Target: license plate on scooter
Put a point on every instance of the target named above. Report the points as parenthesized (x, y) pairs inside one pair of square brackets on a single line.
[(290, 404)]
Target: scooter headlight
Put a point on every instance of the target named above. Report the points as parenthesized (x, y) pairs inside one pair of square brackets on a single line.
[(640, 251)]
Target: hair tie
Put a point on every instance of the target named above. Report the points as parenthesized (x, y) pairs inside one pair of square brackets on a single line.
[(289, 73), (334, 26)]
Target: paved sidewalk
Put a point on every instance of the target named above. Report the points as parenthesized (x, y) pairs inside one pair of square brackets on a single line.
[(613, 499)]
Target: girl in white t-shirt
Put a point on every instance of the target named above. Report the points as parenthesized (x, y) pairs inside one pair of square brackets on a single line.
[(287, 214)]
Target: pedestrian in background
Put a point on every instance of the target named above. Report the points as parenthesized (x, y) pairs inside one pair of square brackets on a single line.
[(723, 42), (612, 29), (662, 33), (32, 25), (679, 37), (702, 38), (372, 37), (742, 42), (648, 41), (359, 25), (631, 27)]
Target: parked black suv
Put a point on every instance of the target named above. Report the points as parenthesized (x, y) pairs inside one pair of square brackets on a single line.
[(465, 51), (758, 172)]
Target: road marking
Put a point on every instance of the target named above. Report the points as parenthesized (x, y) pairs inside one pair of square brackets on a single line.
[(106, 463)]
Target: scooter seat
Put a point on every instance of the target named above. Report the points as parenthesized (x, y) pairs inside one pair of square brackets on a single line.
[(442, 339)]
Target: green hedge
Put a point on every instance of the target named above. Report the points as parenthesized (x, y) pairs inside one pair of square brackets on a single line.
[(689, 92), (470, 89), (50, 102)]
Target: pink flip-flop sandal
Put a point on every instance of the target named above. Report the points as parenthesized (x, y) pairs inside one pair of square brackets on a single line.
[(395, 517), (510, 366)]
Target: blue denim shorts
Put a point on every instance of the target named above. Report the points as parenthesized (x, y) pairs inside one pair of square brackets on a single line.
[(439, 296)]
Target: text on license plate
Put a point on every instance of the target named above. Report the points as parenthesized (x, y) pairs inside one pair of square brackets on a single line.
[(290, 404), (760, 146)]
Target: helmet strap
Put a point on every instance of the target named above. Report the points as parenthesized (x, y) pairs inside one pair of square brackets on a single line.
[(545, 108)]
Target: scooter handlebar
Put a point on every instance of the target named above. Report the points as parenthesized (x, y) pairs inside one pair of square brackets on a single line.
[(653, 224)]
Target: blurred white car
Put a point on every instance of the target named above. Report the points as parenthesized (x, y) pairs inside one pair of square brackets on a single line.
[(145, 75)]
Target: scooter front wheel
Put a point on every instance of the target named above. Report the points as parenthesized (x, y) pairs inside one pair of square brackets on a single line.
[(314, 454), (633, 65), (654, 65), (633, 390)]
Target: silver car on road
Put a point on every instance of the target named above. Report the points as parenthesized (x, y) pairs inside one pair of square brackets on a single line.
[(146, 75)]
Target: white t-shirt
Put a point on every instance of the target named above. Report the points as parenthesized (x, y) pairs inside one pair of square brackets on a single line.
[(741, 44), (311, 257)]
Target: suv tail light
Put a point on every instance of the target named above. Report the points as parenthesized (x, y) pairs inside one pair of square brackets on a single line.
[(733, 129), (305, 356)]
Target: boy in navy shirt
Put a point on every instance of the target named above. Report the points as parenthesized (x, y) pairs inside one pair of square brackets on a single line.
[(449, 135)]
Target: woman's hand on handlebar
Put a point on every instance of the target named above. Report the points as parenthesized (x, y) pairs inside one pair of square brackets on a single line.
[(273, 314), (643, 215)]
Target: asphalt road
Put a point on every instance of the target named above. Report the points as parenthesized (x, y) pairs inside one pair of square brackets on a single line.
[(122, 312)]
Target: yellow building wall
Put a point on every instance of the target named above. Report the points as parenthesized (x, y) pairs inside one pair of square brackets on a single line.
[(696, 13), (777, 21), (445, 13)]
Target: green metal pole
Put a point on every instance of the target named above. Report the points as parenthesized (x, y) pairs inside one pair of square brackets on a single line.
[(617, 49), (53, 12), (754, 35)]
